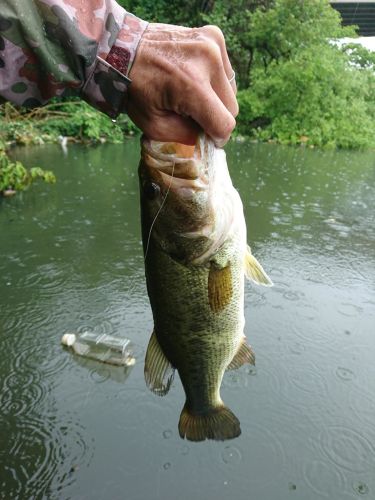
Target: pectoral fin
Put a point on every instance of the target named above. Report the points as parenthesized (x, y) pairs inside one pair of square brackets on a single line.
[(220, 287), (159, 372), (245, 354), (254, 270)]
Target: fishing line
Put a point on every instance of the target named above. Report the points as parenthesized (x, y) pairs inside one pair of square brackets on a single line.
[(132, 286), (158, 212)]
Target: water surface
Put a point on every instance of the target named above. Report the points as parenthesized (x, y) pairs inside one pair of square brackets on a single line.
[(71, 260)]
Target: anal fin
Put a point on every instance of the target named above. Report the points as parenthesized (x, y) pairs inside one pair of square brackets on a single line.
[(158, 372), (245, 354), (254, 270)]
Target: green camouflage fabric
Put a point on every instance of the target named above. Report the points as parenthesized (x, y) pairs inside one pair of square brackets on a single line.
[(54, 48)]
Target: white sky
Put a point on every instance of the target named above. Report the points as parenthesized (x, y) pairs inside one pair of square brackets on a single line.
[(366, 41)]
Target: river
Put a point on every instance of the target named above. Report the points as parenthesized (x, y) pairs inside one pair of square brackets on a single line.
[(71, 260)]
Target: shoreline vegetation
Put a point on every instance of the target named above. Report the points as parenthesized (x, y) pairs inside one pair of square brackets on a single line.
[(61, 121), (297, 84)]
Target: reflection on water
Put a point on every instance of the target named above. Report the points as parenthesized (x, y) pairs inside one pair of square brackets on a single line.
[(101, 372), (71, 259)]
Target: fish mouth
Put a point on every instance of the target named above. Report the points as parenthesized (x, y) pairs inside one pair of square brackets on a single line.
[(182, 168)]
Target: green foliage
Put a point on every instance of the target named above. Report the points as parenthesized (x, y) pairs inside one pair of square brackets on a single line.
[(15, 177), (178, 12), (315, 97), (74, 119), (235, 18), (360, 56), (261, 31), (298, 86)]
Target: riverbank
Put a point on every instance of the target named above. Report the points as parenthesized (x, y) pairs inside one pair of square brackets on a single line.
[(63, 122)]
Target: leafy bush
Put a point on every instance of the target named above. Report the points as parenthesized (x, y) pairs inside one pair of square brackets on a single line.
[(74, 119), (15, 177), (315, 97)]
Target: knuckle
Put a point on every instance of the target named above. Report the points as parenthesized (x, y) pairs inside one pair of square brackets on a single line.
[(223, 130), (210, 50), (228, 127), (214, 32)]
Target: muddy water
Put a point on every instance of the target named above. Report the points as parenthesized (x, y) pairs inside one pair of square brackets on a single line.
[(71, 260)]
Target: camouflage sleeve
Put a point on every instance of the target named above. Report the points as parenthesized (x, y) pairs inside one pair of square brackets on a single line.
[(54, 48)]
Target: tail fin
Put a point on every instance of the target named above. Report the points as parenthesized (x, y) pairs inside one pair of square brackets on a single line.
[(218, 423)]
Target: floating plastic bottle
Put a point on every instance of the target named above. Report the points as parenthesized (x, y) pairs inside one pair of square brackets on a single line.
[(101, 347)]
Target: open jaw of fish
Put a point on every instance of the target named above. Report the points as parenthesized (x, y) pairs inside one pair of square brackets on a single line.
[(196, 258)]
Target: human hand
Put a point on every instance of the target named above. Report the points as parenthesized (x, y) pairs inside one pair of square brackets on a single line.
[(181, 84)]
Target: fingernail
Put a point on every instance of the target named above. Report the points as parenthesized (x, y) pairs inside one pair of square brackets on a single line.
[(219, 143)]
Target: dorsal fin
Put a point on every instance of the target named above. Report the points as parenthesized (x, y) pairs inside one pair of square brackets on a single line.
[(159, 372), (254, 270)]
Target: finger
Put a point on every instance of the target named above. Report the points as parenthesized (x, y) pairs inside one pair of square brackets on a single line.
[(167, 127), (215, 33), (225, 90), (233, 84), (211, 114), (210, 71)]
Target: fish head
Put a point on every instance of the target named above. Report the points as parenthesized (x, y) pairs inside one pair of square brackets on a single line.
[(176, 187)]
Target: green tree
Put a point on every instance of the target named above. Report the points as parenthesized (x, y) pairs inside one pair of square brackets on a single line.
[(178, 12), (235, 18), (317, 97), (259, 32)]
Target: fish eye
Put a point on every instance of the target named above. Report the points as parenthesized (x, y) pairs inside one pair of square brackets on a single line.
[(151, 190)]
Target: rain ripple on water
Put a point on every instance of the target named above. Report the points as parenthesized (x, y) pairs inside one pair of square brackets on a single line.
[(41, 454), (348, 448)]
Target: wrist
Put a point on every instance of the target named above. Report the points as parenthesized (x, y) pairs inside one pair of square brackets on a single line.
[(106, 87), (123, 51)]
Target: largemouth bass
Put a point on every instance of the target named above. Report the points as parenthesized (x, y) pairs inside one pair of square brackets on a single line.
[(196, 257)]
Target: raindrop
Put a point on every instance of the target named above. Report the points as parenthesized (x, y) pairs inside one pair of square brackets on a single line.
[(74, 468), (100, 376), (292, 486), (347, 309), (251, 370), (166, 466), (184, 450), (167, 434), (297, 348), (360, 488), (231, 455), (293, 296), (344, 373)]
